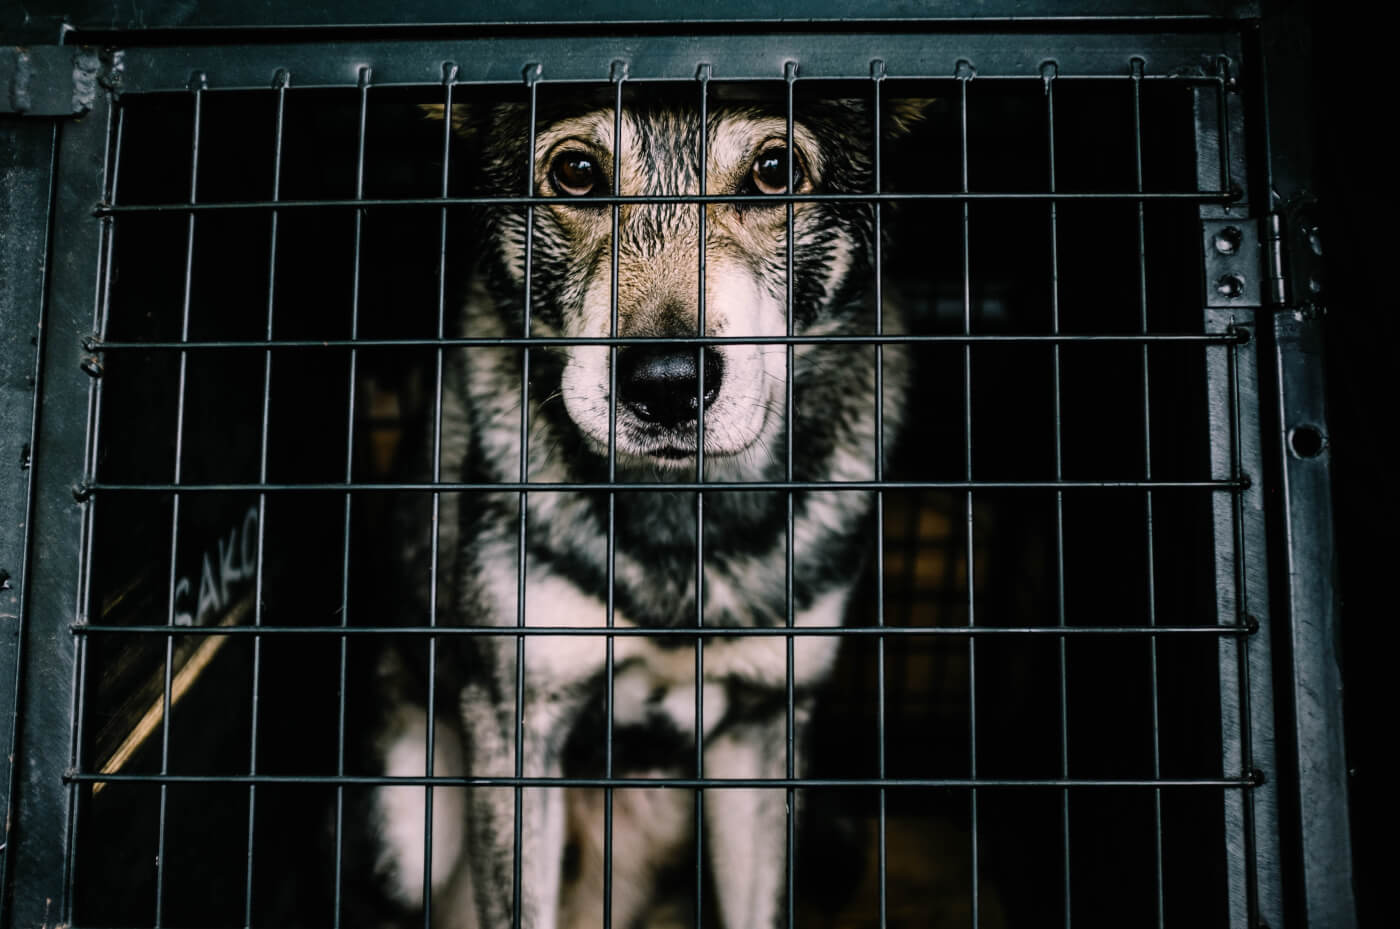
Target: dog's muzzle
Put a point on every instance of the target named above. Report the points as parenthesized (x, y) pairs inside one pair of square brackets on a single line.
[(661, 384)]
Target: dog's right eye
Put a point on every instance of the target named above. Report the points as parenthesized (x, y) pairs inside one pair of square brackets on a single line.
[(575, 174)]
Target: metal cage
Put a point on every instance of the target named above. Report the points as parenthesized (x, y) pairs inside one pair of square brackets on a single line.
[(1088, 674)]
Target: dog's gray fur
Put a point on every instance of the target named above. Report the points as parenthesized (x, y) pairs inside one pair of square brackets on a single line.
[(745, 545)]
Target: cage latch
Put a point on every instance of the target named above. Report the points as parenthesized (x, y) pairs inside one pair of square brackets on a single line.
[(48, 80)]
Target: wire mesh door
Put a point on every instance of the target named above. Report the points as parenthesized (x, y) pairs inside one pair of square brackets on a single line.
[(1042, 680)]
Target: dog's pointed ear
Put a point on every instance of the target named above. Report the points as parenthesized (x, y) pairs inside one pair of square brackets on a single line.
[(903, 114), (461, 115)]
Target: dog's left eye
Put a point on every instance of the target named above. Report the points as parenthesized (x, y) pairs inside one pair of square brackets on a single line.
[(575, 174), (770, 170)]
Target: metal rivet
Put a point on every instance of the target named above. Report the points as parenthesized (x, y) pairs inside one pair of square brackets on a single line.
[(91, 366), (1228, 240), (1315, 285), (1230, 286)]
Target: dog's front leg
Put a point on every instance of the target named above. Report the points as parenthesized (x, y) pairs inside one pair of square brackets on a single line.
[(493, 819), (746, 829)]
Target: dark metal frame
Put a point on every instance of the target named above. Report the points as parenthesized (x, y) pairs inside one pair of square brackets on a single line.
[(1258, 332)]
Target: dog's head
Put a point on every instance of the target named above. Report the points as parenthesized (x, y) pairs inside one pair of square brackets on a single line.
[(636, 271)]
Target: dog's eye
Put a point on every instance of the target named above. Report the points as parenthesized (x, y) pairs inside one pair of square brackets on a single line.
[(770, 170), (575, 174)]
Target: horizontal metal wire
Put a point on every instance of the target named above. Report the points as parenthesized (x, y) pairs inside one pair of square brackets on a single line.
[(1178, 338), (370, 780), (1194, 196), (680, 632), (86, 490)]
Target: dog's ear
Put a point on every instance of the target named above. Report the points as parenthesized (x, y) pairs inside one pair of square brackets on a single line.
[(461, 115), (903, 114)]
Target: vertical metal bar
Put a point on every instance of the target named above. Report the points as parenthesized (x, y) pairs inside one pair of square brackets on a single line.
[(1048, 73), (449, 77), (39, 837), (27, 162), (1313, 620), (617, 75), (79, 704), (1288, 71), (790, 76), (531, 76), (198, 84), (1136, 67), (1252, 852), (1251, 890), (365, 77), (90, 471), (280, 83), (965, 74), (702, 74), (877, 76)]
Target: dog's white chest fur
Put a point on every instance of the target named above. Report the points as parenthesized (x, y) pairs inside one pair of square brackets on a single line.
[(557, 662)]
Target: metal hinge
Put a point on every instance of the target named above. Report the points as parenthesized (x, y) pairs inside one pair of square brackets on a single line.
[(48, 80), (1246, 262), (1275, 267)]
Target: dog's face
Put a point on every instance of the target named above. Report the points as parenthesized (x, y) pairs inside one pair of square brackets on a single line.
[(637, 271)]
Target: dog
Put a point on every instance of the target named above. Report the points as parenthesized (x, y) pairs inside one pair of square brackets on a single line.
[(610, 413)]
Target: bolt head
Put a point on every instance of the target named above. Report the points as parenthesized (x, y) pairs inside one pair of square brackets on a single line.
[(1227, 241), (1230, 286)]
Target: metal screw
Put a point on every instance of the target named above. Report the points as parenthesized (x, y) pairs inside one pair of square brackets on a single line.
[(1228, 240), (91, 366), (1230, 286)]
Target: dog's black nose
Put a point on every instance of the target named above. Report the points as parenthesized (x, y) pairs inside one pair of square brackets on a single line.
[(661, 384)]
